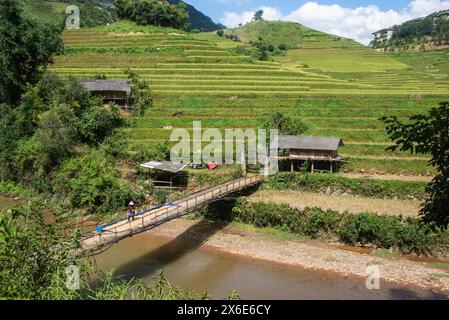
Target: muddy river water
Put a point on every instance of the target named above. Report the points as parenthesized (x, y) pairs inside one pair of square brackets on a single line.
[(205, 269), (192, 266)]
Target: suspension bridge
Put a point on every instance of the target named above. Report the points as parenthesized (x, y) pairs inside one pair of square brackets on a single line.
[(109, 234)]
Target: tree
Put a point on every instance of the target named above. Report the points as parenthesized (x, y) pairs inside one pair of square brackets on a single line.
[(427, 134), (153, 12), (258, 15), (141, 96), (220, 33), (26, 47), (286, 125)]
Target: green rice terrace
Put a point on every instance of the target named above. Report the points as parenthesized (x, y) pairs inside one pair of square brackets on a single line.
[(337, 86)]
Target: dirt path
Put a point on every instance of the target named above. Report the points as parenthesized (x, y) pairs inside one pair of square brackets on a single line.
[(340, 203), (313, 255)]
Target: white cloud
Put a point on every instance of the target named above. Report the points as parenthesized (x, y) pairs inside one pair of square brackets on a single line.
[(232, 19), (357, 23)]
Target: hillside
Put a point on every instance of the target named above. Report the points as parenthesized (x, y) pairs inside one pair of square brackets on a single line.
[(101, 12), (291, 34), (93, 13), (199, 20), (338, 87), (427, 33)]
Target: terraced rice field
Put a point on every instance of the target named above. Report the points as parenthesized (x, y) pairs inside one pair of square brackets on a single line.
[(342, 92)]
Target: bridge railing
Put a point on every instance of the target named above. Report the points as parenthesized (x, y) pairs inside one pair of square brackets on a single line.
[(157, 215)]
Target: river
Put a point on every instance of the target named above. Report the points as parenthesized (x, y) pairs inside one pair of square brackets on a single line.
[(192, 266), (203, 269)]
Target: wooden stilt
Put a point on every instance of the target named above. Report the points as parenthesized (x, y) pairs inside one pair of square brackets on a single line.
[(332, 166), (292, 167), (312, 166)]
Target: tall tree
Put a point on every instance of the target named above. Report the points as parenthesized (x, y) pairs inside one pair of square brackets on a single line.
[(26, 47), (427, 134), (258, 15)]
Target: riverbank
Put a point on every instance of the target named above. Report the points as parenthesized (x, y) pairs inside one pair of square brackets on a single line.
[(313, 255)]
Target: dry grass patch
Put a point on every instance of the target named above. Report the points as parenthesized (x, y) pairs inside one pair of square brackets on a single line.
[(352, 204)]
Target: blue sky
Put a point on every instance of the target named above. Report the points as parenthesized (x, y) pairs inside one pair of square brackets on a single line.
[(355, 19)]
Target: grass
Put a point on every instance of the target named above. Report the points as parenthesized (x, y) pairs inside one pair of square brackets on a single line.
[(343, 92)]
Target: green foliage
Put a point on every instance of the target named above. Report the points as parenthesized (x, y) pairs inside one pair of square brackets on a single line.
[(34, 257), (417, 32), (157, 152), (364, 187), (91, 182), (141, 96), (321, 222), (427, 134), (258, 15), (27, 47), (408, 235), (220, 33), (418, 237), (55, 119), (153, 12), (285, 124), (369, 228), (97, 124)]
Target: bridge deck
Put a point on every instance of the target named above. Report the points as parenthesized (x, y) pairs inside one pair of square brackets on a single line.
[(146, 220)]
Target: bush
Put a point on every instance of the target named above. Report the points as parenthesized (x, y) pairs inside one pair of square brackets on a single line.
[(417, 237), (321, 222), (369, 228), (92, 182), (407, 235), (157, 152)]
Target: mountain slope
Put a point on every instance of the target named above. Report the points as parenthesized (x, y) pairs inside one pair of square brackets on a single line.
[(430, 32), (292, 34), (198, 77), (93, 12), (198, 20), (100, 12)]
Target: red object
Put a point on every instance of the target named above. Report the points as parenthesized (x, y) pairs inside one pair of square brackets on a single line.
[(212, 165)]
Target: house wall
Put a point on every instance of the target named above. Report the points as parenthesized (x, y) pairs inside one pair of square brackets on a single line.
[(111, 95)]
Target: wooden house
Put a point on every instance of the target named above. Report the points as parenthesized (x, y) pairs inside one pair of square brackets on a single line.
[(321, 153), (117, 91)]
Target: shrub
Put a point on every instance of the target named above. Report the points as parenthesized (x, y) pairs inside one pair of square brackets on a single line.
[(157, 152), (320, 222), (92, 182), (409, 235), (417, 237), (369, 228)]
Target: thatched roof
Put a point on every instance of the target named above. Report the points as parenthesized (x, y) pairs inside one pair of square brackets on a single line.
[(107, 85), (309, 143)]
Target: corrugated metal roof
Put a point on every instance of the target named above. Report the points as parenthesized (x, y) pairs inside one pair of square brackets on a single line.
[(164, 166), (107, 85), (309, 143)]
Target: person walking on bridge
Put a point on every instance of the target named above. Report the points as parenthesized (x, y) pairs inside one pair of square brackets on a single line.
[(130, 211)]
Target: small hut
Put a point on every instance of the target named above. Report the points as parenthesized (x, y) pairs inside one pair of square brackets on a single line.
[(321, 153), (117, 91), (166, 174)]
